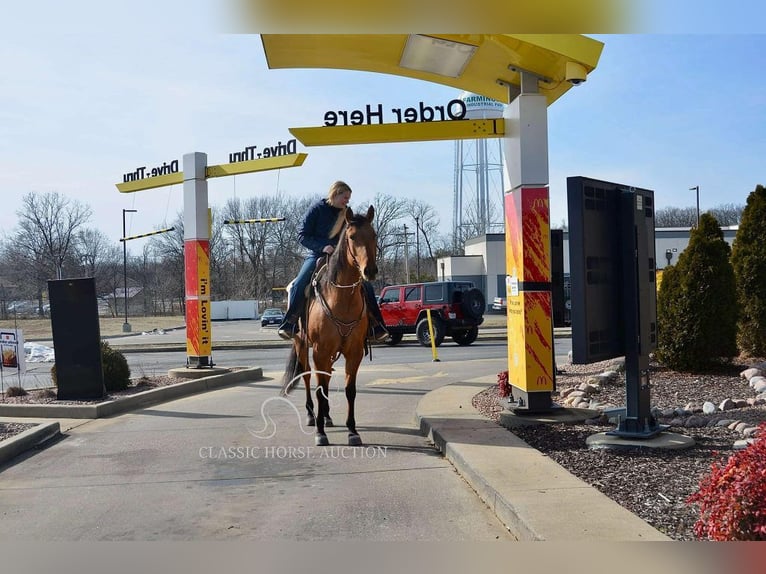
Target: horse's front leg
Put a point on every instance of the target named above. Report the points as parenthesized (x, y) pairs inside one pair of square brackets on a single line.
[(310, 417), (352, 367), (323, 411)]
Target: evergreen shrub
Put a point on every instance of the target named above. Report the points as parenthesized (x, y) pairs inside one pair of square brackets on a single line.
[(115, 369), (748, 258), (697, 304)]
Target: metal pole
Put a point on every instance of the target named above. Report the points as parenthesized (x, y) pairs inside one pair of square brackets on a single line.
[(696, 188), (406, 256), (126, 325), (417, 244)]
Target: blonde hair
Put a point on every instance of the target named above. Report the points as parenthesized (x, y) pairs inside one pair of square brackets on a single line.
[(335, 190)]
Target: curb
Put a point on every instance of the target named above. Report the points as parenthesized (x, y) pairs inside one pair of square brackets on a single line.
[(533, 496), (28, 439), (144, 399), (492, 335)]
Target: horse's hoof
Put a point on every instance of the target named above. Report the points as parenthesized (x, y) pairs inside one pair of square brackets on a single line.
[(354, 439), (328, 422), (310, 421), (321, 440)]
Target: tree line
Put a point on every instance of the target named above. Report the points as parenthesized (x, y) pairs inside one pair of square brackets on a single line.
[(53, 240), (247, 261)]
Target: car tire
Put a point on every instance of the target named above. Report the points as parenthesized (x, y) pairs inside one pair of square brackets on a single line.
[(394, 339), (473, 304), (465, 337), (423, 334)]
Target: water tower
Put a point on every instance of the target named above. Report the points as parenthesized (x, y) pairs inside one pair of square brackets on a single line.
[(478, 187)]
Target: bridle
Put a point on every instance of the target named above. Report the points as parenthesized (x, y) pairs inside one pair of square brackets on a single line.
[(351, 256), (345, 328)]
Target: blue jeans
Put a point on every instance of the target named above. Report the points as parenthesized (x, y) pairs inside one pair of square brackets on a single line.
[(298, 290), (298, 293)]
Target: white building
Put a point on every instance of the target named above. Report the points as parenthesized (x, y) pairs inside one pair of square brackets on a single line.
[(484, 259)]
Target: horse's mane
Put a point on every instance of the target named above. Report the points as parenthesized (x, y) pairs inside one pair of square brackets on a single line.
[(337, 262)]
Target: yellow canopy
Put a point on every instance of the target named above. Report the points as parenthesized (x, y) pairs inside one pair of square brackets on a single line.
[(490, 59)]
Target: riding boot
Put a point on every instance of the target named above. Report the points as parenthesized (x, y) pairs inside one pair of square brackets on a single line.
[(378, 331), (289, 328)]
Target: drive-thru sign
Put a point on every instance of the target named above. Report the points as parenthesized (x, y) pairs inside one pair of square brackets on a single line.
[(196, 172)]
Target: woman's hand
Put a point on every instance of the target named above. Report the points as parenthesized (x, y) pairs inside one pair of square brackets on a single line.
[(328, 249)]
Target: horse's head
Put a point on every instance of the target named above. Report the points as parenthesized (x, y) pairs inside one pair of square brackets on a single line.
[(361, 241)]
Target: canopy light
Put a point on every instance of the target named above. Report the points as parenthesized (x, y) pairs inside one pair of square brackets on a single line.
[(442, 57)]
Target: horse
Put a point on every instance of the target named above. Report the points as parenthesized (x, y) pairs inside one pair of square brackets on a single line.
[(335, 322)]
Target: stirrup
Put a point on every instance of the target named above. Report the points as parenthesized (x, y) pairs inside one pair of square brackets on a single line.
[(288, 331), (379, 333)]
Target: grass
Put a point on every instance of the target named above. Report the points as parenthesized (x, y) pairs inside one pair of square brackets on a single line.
[(40, 329)]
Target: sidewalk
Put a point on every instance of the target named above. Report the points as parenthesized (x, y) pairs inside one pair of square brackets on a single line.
[(535, 498)]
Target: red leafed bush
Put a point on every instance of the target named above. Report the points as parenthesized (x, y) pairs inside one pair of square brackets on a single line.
[(504, 387), (732, 498)]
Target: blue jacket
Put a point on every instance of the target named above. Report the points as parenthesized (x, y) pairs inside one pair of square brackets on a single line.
[(317, 224)]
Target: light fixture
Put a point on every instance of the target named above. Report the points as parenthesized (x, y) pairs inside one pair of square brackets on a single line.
[(437, 56)]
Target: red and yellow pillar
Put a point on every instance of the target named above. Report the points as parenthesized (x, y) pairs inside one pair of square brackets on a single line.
[(528, 252), (199, 335)]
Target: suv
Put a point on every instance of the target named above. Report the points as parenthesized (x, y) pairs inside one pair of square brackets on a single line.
[(457, 310)]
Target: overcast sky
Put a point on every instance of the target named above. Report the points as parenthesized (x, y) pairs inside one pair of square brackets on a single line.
[(90, 91)]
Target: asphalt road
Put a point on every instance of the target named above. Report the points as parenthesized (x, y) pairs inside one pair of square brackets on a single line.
[(237, 464), (273, 358)]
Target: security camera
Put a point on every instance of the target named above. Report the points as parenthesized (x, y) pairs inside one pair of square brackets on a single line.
[(575, 73)]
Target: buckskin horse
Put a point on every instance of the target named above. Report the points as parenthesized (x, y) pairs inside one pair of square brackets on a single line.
[(335, 323)]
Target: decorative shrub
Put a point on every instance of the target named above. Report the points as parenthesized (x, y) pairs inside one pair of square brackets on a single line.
[(732, 499), (504, 387), (748, 258), (15, 392), (115, 369), (697, 303)]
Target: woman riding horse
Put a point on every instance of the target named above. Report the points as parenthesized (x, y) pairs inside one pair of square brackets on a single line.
[(336, 322), (319, 233)]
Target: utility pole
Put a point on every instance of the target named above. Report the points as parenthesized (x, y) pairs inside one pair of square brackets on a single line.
[(417, 243), (406, 255), (406, 242)]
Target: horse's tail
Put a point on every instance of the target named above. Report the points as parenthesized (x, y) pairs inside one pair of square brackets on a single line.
[(293, 369)]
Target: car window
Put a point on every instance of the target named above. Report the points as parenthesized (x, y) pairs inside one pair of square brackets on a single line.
[(412, 293), (390, 296), (435, 292)]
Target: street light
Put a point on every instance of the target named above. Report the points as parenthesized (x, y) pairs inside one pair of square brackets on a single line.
[(126, 325), (697, 189)]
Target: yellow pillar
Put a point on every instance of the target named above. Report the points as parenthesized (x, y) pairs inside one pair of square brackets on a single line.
[(199, 337), (527, 250)]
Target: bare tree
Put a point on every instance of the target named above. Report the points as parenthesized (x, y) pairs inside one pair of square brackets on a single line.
[(727, 214), (169, 248), (427, 229), (389, 213), (675, 217), (48, 224)]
